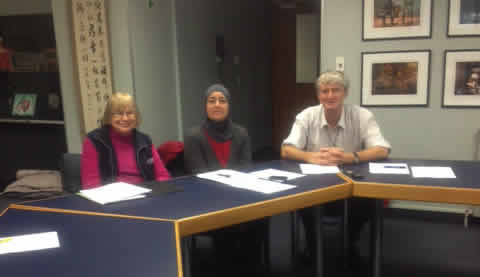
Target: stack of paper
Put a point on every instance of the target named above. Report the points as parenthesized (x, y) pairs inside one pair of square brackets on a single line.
[(31, 242), (319, 169), (114, 192), (244, 181), (443, 172)]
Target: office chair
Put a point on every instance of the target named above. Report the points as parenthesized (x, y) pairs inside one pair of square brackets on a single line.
[(171, 153), (70, 172)]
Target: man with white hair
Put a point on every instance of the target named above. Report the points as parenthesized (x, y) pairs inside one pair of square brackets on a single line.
[(334, 133)]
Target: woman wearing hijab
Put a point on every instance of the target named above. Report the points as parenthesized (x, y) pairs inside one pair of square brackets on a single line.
[(218, 142), (118, 152)]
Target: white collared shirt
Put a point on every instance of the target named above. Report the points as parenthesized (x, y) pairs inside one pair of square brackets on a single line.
[(355, 131)]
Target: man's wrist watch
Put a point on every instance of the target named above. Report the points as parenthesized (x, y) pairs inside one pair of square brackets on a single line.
[(356, 158)]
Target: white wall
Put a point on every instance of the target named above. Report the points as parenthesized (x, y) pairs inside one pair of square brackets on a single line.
[(121, 52), (195, 34), (417, 133), (151, 33), (71, 107)]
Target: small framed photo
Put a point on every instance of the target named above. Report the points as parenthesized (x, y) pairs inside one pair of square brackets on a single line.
[(24, 105), (395, 78), (462, 78), (463, 18), (397, 19)]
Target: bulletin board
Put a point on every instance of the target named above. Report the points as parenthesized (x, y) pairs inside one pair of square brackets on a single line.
[(92, 51)]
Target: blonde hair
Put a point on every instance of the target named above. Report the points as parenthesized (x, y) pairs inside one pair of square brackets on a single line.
[(120, 101)]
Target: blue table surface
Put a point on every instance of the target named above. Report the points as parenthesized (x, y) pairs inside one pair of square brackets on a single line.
[(90, 246), (199, 196), (467, 174)]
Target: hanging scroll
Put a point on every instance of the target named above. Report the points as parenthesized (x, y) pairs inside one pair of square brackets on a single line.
[(93, 59)]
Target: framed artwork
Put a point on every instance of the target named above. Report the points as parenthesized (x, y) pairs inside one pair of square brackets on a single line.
[(92, 51), (395, 78), (461, 78), (463, 18), (24, 105), (397, 19)]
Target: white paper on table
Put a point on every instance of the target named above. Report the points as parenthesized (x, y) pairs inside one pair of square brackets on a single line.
[(267, 173), (114, 192), (319, 169), (244, 181), (30, 242), (388, 168), (433, 172)]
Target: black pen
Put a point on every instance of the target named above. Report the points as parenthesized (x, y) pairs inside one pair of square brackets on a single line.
[(223, 175), (394, 166)]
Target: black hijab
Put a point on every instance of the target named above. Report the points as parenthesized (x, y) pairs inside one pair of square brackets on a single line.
[(220, 131)]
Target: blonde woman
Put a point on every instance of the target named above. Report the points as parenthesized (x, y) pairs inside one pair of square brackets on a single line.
[(118, 151)]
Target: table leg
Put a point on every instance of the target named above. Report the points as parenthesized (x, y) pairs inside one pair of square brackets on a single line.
[(346, 241), (295, 236), (187, 256), (376, 238), (318, 215)]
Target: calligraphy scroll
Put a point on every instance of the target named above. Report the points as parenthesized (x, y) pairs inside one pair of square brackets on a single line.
[(93, 59)]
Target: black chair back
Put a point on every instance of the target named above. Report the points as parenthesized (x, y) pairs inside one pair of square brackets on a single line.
[(70, 172)]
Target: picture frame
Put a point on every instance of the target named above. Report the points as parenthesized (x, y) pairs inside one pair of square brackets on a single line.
[(24, 105), (399, 78), (396, 19), (463, 18), (461, 88)]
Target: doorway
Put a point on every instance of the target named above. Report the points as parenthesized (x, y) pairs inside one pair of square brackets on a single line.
[(295, 61)]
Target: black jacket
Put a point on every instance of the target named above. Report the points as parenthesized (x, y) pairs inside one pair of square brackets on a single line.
[(107, 160), (199, 156)]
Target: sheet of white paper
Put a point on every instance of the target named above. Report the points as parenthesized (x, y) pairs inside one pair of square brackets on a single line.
[(244, 181), (267, 173), (433, 172), (114, 192), (318, 169), (30, 242), (389, 168)]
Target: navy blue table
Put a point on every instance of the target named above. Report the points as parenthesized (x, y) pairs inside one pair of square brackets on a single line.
[(91, 246), (206, 205), (464, 189)]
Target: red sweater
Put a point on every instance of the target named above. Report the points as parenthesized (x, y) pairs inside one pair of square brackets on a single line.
[(221, 149), (127, 165)]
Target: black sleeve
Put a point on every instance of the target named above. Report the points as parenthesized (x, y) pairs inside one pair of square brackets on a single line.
[(245, 150), (194, 157)]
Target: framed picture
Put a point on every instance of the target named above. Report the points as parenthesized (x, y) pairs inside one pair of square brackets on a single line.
[(24, 105), (395, 78), (397, 19), (463, 18), (462, 78)]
